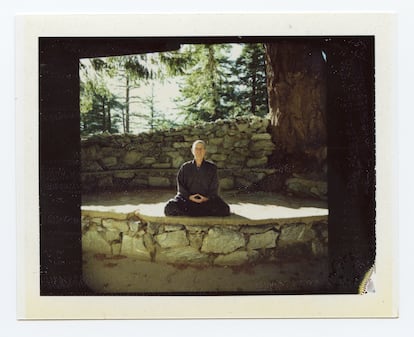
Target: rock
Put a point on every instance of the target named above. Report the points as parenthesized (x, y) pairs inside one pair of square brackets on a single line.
[(181, 145), (172, 239), (306, 187), (256, 162), (89, 153), (105, 181), (255, 229), (158, 182), (148, 160), (152, 228), (218, 157), (109, 161), (138, 182), (161, 165), (134, 226), (173, 228), (263, 240), (242, 127), (132, 157), (94, 242), (226, 183), (112, 235), (196, 229), (214, 141), (188, 255), (132, 246), (261, 145), (261, 136), (232, 259), (116, 248), (124, 175), (91, 166), (177, 161), (149, 243), (242, 143), (319, 249), (196, 240), (295, 233), (120, 225), (222, 241)]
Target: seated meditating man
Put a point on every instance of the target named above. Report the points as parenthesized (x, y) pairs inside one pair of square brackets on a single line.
[(197, 185)]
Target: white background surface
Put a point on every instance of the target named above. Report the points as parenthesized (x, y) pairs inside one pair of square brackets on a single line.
[(321, 327)]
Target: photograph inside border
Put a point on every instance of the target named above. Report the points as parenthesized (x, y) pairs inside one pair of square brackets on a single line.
[(204, 162)]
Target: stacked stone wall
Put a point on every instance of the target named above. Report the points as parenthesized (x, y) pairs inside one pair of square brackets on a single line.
[(130, 236), (240, 148)]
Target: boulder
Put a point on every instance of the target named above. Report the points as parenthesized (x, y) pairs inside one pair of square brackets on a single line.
[(124, 175), (94, 242), (119, 225), (133, 246), (261, 136), (257, 162), (232, 259), (109, 161), (295, 233), (226, 183), (263, 240), (172, 239), (158, 182), (186, 255), (222, 241), (196, 240), (132, 157)]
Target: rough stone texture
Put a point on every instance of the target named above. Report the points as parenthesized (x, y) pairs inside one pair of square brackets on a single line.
[(172, 239), (295, 233), (197, 229), (112, 235), (196, 240), (124, 175), (232, 259), (264, 240), (173, 228), (215, 243), (227, 183), (307, 187), (93, 241), (231, 144), (132, 246), (149, 243), (182, 255), (132, 157), (319, 248), (134, 226), (158, 182), (121, 226), (116, 248), (255, 229), (222, 241)]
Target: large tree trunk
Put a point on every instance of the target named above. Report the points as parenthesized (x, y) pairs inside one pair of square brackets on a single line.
[(296, 94)]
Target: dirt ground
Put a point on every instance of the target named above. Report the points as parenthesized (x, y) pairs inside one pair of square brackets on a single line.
[(114, 275)]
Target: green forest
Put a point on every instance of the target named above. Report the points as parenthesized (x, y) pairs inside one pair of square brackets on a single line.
[(198, 82)]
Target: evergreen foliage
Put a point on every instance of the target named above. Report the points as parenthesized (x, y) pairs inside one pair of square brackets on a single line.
[(213, 85)]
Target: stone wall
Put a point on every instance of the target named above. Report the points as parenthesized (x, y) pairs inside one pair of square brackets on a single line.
[(240, 148), (206, 244)]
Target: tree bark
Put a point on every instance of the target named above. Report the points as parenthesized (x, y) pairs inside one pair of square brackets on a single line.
[(296, 95)]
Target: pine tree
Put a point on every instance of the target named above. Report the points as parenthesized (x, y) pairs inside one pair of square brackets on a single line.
[(251, 89), (205, 82), (98, 105)]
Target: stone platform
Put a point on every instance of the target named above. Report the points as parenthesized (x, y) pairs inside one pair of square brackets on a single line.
[(262, 226)]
